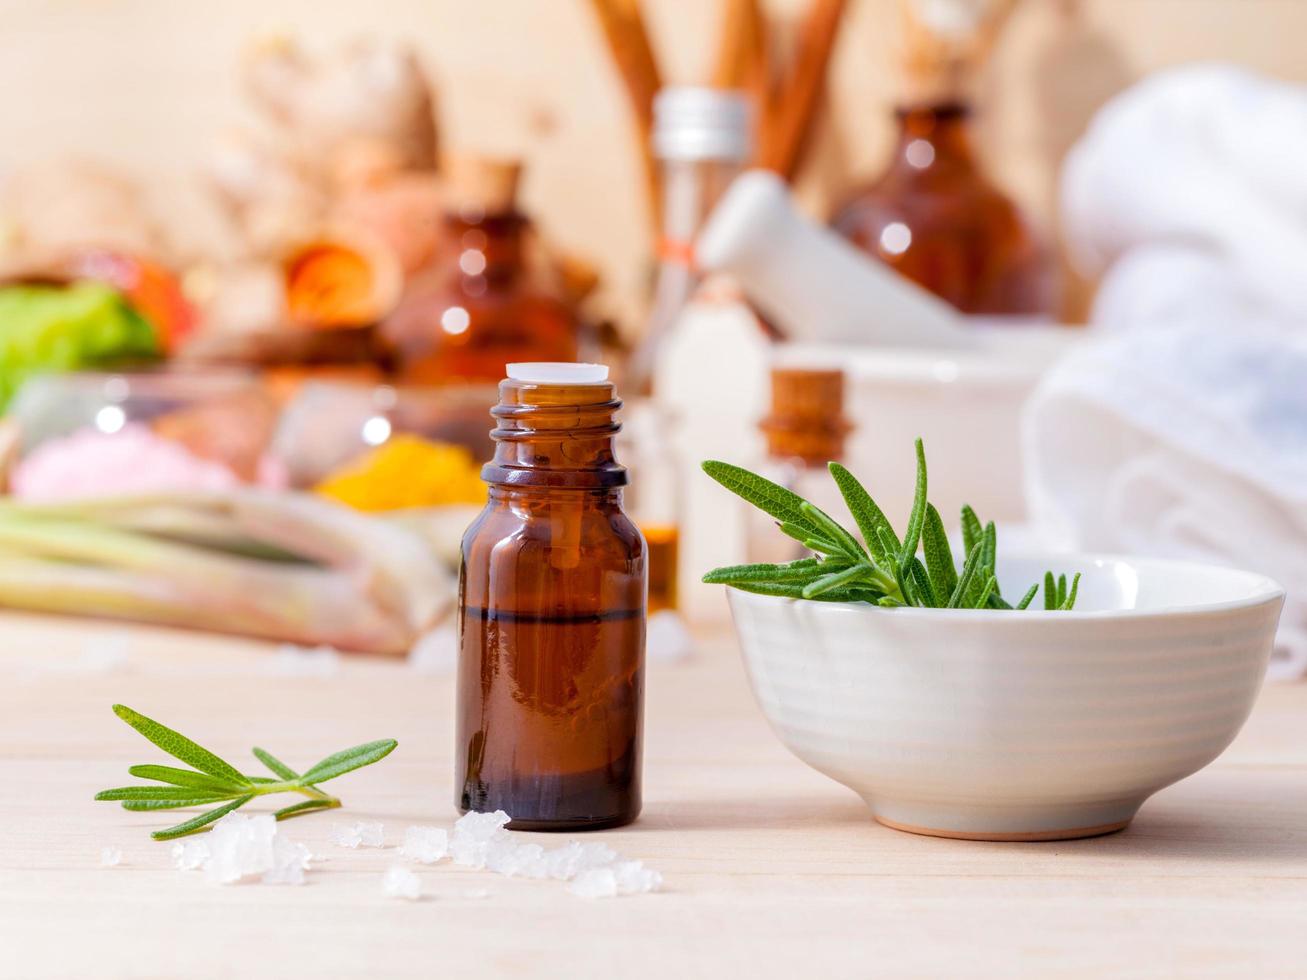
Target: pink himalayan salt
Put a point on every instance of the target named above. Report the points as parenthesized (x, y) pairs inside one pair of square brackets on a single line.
[(133, 460)]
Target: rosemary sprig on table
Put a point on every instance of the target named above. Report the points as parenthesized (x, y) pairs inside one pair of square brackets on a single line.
[(214, 781), (880, 568)]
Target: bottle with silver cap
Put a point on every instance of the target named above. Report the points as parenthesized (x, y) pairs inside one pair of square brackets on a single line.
[(703, 138)]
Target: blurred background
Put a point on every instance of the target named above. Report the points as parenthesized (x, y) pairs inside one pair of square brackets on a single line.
[(268, 260)]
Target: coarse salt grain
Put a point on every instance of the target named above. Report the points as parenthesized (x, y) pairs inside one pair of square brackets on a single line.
[(595, 883), (425, 844), (359, 833), (241, 847), (399, 882)]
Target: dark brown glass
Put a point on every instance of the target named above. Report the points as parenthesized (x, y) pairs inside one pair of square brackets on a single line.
[(462, 321), (552, 597), (969, 243)]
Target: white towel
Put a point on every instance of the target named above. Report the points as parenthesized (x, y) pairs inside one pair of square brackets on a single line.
[(1183, 431)]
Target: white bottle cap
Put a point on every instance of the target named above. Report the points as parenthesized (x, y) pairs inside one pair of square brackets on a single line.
[(558, 373), (702, 124)]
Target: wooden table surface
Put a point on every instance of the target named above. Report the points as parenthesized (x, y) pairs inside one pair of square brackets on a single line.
[(770, 868)]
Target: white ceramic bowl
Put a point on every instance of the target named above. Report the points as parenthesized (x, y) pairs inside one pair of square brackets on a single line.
[(1017, 726)]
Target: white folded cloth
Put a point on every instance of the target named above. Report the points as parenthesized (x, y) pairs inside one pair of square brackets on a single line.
[(1188, 190), (1180, 442), (1182, 431)]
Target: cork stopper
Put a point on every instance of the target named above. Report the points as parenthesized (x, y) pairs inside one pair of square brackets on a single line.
[(482, 184), (945, 45), (807, 415)]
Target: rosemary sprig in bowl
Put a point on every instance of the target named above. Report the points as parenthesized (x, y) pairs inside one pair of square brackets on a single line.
[(880, 568), (212, 780)]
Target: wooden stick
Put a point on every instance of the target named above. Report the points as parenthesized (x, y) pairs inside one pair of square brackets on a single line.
[(787, 128), (743, 61), (628, 45)]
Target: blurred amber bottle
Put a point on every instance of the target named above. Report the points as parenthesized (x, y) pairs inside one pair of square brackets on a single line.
[(933, 214), (936, 218), (481, 303), (552, 618)]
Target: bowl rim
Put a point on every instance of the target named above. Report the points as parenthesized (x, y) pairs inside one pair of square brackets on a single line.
[(1264, 590)]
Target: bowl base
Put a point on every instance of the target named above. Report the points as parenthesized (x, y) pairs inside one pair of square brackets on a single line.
[(1072, 833)]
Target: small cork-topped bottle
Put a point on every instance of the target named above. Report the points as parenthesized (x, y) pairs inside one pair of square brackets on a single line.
[(805, 430), (552, 595)]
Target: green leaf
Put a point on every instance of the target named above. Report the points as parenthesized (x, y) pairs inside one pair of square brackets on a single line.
[(347, 760), (139, 805), (188, 777), (1061, 590), (794, 590), (1026, 599), (803, 570), (870, 519), (996, 601), (1050, 591), (986, 591), (275, 765), (850, 545), (308, 806), (965, 579), (159, 793), (912, 536), (178, 746), (834, 580), (989, 549), (971, 531), (915, 576), (782, 504), (1069, 603), (939, 556), (889, 602), (810, 540), (203, 820)]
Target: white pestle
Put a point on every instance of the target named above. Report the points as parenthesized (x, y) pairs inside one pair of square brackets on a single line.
[(813, 284)]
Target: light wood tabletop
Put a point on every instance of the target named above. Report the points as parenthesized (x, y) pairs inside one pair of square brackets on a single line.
[(770, 868)]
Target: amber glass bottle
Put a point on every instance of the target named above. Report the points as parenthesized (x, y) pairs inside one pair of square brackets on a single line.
[(805, 430), (936, 218), (480, 304), (552, 614)]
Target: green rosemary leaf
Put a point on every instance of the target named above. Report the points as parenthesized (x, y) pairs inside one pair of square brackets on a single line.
[(939, 556), (149, 805), (1050, 591), (274, 764), (850, 545), (810, 539), (986, 591), (989, 548), (889, 602), (794, 590), (971, 531), (915, 575), (347, 760), (996, 601), (1069, 603), (965, 579), (203, 820), (188, 777), (782, 504), (803, 570), (160, 793), (834, 580), (1028, 597), (178, 745), (869, 517), (1061, 591), (912, 536), (308, 806)]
